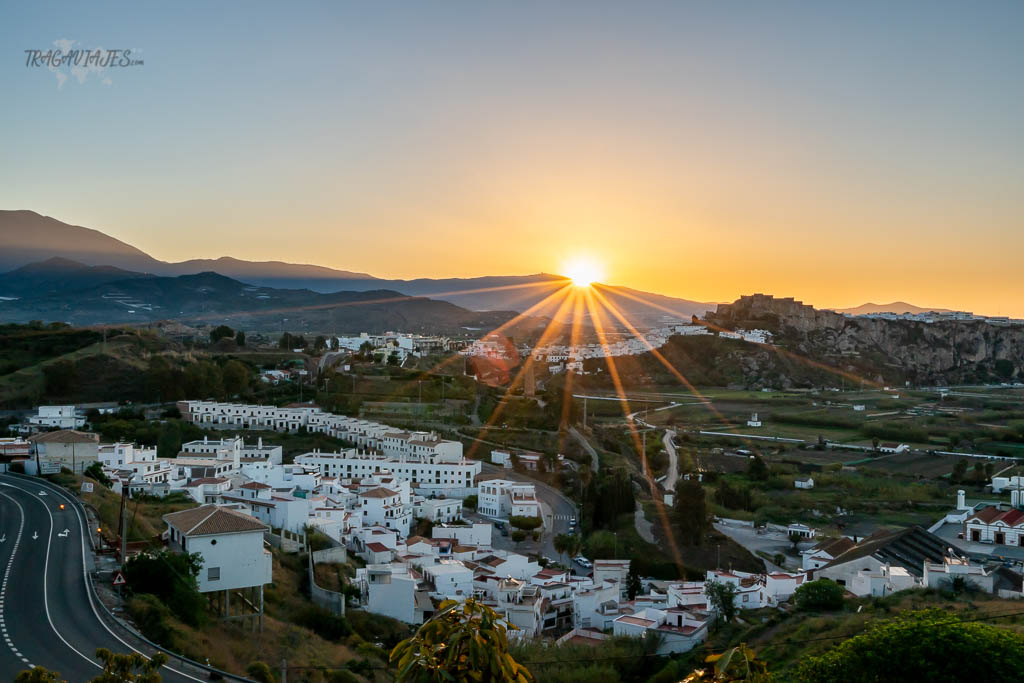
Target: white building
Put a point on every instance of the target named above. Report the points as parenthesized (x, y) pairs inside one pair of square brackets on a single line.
[(680, 629), (824, 552), (65, 448), (394, 591), (384, 507), (807, 483), (754, 421), (478, 535), (438, 510), (503, 498), (428, 475), (229, 542), (61, 417)]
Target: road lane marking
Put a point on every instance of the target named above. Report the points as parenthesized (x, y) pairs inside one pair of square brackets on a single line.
[(7, 575), (88, 588)]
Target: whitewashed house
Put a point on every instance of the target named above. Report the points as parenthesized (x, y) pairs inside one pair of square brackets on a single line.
[(230, 544)]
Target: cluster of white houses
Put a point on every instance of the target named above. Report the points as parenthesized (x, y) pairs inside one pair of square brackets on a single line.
[(571, 356), (366, 497)]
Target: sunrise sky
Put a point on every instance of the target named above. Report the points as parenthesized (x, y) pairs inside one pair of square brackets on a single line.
[(859, 151)]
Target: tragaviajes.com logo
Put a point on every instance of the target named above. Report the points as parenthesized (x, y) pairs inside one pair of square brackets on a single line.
[(65, 58)]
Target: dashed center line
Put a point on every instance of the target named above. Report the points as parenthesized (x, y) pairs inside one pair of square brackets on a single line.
[(3, 583)]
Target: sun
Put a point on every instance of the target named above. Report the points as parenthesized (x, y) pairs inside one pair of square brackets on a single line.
[(583, 272)]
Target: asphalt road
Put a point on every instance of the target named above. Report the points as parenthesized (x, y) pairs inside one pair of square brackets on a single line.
[(47, 614), (558, 509)]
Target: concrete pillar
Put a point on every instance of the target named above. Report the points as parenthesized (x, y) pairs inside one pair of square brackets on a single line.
[(960, 504)]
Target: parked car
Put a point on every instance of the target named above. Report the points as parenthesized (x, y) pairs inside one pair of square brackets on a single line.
[(572, 521), (583, 562)]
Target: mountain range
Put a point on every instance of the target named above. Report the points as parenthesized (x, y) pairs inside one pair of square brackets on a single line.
[(60, 289), (27, 237), (42, 255)]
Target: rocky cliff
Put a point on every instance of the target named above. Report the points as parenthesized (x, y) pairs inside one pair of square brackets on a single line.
[(885, 351)]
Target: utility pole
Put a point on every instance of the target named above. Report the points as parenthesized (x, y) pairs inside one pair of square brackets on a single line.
[(419, 384), (124, 523), (584, 413), (284, 671)]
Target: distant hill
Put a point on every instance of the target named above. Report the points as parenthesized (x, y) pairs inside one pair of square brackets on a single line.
[(57, 275), (894, 307), (27, 237), (211, 297)]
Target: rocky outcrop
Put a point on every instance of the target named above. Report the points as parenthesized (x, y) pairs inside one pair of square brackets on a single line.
[(946, 352)]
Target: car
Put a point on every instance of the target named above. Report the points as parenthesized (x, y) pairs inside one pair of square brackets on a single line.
[(572, 521), (583, 562)]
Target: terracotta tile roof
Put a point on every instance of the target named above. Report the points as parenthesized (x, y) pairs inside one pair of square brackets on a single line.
[(207, 520), (379, 492), (377, 547), (834, 546), (636, 621), (65, 436)]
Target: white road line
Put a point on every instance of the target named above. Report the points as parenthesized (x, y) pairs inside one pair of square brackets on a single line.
[(7, 574), (88, 589)]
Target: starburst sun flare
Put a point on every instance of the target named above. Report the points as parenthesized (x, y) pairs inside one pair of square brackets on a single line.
[(583, 272)]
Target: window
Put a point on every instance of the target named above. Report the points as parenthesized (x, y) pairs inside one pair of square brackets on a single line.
[(213, 574)]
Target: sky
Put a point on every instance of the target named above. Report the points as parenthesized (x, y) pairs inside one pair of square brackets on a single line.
[(836, 152)]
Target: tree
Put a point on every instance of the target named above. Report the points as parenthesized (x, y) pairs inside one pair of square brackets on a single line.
[(221, 332), (464, 641), (736, 665), (526, 523), (563, 544), (722, 597), (690, 511), (757, 469), (633, 586), (924, 645), (236, 377), (959, 471), (171, 578), (822, 594), (470, 502), (240, 338), (393, 358), (38, 675), (320, 343), (95, 471), (794, 539), (168, 445), (121, 668)]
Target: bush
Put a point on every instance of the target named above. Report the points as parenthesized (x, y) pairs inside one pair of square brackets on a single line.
[(171, 577), (323, 622), (95, 471), (470, 502), (823, 594), (525, 523), (518, 535), (926, 646), (259, 671), (152, 617), (341, 676)]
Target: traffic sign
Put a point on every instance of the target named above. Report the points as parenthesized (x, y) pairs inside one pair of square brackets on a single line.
[(119, 579), (86, 487)]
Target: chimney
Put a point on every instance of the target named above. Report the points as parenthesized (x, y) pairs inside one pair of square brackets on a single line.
[(960, 504)]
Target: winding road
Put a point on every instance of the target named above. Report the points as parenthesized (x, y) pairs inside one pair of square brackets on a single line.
[(48, 614)]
